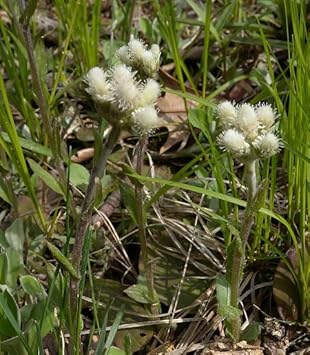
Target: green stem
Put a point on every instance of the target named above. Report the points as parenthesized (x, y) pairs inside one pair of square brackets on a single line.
[(141, 226), (86, 214), (251, 180), (239, 250)]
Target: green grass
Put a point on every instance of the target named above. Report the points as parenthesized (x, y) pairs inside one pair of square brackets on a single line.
[(247, 53)]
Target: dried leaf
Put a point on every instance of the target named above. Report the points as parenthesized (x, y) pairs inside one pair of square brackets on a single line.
[(174, 118), (285, 290)]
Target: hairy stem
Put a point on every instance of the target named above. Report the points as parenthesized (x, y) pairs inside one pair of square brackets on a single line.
[(239, 250), (251, 180), (141, 225), (86, 212)]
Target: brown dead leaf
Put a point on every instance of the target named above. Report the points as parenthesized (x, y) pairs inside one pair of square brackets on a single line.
[(242, 90), (169, 80), (173, 116), (285, 290)]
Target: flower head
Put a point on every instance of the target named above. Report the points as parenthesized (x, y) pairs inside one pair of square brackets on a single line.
[(227, 114), (265, 115), (136, 49), (234, 142), (145, 119), (155, 50), (124, 88), (121, 73), (247, 121), (98, 86), (267, 145), (150, 61), (124, 55), (149, 93)]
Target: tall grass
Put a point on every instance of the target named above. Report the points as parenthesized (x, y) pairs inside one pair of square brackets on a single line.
[(297, 134), (37, 134)]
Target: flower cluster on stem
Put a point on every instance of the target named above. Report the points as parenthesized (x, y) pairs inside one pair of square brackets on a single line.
[(127, 91), (248, 131)]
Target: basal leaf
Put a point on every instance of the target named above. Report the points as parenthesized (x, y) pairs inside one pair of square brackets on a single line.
[(32, 286)]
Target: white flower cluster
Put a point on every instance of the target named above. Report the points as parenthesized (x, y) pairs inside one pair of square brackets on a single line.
[(248, 131), (136, 55), (123, 91)]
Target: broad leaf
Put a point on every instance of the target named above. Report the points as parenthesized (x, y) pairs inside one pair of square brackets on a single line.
[(139, 293), (79, 175), (222, 290), (32, 286), (228, 312), (251, 332), (9, 313), (48, 178)]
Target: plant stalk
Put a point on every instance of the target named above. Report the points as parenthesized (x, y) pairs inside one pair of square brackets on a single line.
[(142, 144), (251, 180), (239, 250), (86, 212)]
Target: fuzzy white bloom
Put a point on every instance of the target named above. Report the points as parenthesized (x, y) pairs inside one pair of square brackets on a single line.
[(155, 51), (124, 55), (227, 114), (124, 88), (149, 93), (145, 119), (124, 95), (234, 142), (122, 73), (267, 145), (247, 121), (265, 115), (137, 49), (149, 63), (98, 86), (151, 59)]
